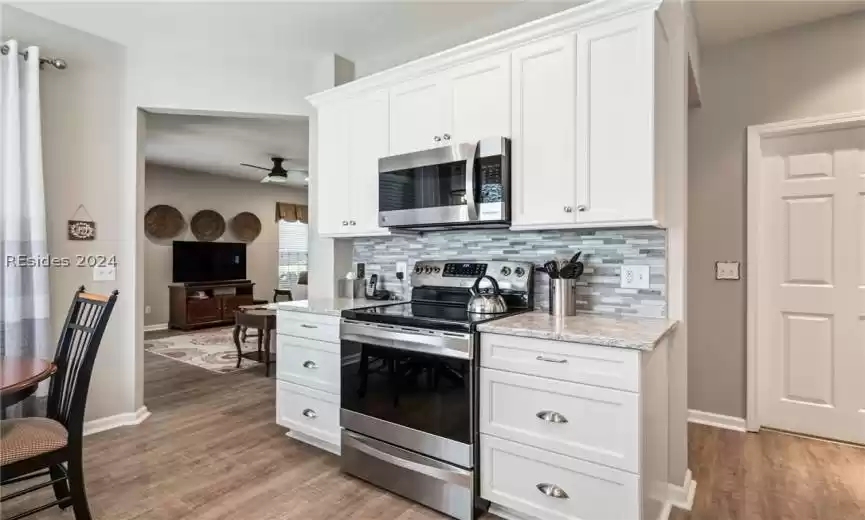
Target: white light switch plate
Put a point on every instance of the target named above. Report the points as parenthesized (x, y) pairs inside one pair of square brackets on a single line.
[(104, 274), (727, 271), (635, 277)]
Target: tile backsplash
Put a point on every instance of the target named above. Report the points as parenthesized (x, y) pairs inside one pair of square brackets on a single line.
[(604, 252)]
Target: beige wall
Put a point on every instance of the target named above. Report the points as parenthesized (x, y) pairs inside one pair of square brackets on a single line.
[(82, 143), (807, 71), (190, 192)]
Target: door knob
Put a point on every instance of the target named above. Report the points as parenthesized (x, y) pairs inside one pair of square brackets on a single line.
[(344, 222), (437, 139), (568, 209), (352, 222), (446, 137), (581, 208)]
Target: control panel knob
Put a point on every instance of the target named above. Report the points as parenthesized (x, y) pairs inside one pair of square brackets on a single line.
[(418, 269), (437, 269), (506, 271), (519, 272), (427, 269)]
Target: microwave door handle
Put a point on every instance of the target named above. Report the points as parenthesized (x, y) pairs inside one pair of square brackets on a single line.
[(470, 181)]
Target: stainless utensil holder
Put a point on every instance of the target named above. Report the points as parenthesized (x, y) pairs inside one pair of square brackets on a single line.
[(563, 297)]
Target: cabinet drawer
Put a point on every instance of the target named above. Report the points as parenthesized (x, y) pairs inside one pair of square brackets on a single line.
[(311, 412), (511, 474), (305, 366), (312, 326), (587, 422), (578, 363)]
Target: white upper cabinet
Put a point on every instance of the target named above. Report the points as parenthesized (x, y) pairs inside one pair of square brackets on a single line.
[(542, 164), (479, 99), (352, 136), (417, 115), (615, 126)]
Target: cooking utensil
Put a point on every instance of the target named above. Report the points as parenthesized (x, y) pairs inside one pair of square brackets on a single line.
[(576, 257), (578, 269), (568, 271), (552, 268), (486, 303)]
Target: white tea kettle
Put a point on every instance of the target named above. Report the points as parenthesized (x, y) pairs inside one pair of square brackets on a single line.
[(486, 303)]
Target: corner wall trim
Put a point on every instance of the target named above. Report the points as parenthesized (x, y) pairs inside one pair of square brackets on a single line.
[(157, 326), (115, 421), (717, 420), (682, 496)]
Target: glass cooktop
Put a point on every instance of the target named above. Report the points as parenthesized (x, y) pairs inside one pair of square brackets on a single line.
[(443, 316)]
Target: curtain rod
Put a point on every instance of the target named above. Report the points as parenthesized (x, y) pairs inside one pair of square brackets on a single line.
[(57, 63)]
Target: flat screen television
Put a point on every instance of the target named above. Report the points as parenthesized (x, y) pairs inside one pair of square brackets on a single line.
[(208, 261)]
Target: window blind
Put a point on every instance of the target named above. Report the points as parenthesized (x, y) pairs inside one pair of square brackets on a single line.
[(293, 248)]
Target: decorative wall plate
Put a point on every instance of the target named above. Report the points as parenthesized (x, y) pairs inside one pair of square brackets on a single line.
[(245, 226), (163, 222), (207, 225)]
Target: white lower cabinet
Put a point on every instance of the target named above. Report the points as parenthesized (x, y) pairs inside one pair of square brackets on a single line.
[(572, 431), (550, 486), (308, 372)]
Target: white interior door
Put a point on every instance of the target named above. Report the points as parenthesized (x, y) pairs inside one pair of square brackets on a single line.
[(811, 284)]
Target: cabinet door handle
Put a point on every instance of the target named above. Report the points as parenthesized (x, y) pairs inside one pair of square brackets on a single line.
[(310, 364), (581, 208), (552, 417), (551, 360), (437, 139), (307, 326), (552, 490), (352, 222), (446, 137), (568, 209), (344, 222), (309, 413)]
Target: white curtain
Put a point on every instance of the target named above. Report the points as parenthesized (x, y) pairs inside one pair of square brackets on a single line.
[(24, 306)]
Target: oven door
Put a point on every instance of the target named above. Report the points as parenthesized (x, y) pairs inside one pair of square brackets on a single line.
[(410, 387)]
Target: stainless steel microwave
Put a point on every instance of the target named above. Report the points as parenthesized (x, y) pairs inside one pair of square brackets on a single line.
[(459, 185)]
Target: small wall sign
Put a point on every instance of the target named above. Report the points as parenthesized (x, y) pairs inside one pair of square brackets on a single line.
[(81, 229)]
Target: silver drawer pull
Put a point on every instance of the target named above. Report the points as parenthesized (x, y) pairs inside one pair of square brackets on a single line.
[(550, 416), (310, 413), (307, 326), (552, 490), (309, 364), (551, 360)]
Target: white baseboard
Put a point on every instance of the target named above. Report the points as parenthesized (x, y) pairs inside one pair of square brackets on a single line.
[(718, 421), (682, 496), (115, 421), (157, 326)]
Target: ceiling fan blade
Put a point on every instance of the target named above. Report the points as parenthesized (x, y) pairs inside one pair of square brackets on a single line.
[(254, 166)]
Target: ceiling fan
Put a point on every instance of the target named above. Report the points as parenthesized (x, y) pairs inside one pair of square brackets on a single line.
[(278, 174)]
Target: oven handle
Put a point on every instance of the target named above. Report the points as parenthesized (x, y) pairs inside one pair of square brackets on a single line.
[(471, 201), (434, 343), (454, 476)]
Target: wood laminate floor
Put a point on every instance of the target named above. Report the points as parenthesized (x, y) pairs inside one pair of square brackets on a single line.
[(211, 451)]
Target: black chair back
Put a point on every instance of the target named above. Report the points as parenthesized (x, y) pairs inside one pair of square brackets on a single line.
[(282, 293), (76, 353)]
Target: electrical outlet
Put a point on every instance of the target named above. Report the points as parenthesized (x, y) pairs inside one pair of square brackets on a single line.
[(402, 267), (635, 277), (147, 309), (727, 271)]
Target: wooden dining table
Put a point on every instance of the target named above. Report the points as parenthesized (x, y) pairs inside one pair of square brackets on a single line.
[(19, 377)]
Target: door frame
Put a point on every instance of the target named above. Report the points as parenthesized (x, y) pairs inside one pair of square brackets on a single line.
[(755, 136)]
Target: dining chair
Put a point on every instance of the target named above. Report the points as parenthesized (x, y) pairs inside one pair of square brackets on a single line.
[(53, 444), (282, 293), (244, 330)]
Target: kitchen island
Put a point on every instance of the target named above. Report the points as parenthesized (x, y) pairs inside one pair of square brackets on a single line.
[(574, 417)]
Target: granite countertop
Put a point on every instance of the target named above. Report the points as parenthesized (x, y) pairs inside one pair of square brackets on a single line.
[(585, 327), (329, 306)]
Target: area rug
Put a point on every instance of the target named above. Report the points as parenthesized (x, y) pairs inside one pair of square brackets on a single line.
[(211, 350)]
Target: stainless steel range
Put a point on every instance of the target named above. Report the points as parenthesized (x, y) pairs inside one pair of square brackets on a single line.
[(410, 393)]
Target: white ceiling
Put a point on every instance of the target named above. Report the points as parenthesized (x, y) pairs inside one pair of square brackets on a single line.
[(725, 21), (219, 144)]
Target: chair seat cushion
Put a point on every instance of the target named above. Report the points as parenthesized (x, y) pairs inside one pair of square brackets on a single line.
[(25, 438)]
